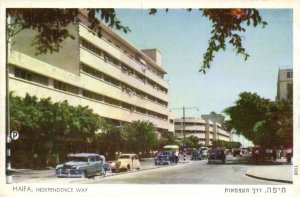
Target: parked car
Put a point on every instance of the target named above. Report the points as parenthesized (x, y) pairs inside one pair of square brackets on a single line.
[(164, 158), (83, 165), (196, 154), (126, 162), (204, 152), (236, 152), (216, 155)]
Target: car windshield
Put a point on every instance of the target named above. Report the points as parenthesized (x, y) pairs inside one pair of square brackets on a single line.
[(78, 159), (124, 157)]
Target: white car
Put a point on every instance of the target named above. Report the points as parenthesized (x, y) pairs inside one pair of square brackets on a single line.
[(126, 162)]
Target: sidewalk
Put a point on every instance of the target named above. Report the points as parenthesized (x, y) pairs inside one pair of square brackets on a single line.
[(278, 171)]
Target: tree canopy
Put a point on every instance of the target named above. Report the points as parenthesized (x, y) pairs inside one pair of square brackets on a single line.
[(51, 24), (140, 136), (266, 123)]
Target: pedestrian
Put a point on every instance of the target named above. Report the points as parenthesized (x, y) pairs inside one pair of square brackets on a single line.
[(289, 154), (278, 154), (176, 156)]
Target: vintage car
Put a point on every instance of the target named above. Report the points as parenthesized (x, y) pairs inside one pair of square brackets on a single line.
[(164, 158), (126, 162), (216, 155), (82, 165), (196, 154)]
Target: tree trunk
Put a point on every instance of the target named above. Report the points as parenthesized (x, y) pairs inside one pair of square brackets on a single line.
[(33, 161)]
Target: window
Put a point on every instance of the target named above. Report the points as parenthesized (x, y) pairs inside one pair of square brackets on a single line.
[(140, 110), (289, 75), (23, 74), (91, 47), (29, 76), (92, 95), (60, 86), (112, 101), (127, 106), (65, 87)]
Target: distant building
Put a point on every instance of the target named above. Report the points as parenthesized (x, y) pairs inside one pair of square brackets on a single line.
[(118, 81), (285, 84), (207, 130)]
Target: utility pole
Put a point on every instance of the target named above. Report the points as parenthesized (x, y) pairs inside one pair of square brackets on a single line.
[(7, 126), (183, 126)]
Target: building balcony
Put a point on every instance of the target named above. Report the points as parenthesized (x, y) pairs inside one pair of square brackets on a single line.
[(100, 86), (119, 54), (21, 87), (100, 64)]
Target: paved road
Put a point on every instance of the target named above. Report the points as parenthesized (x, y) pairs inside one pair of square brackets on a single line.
[(194, 172), (189, 172)]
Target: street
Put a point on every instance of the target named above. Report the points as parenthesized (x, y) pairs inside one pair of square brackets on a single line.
[(188, 172)]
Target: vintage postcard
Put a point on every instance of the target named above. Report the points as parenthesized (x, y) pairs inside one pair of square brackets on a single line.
[(147, 98)]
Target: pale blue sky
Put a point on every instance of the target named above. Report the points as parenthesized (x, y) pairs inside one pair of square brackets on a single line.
[(182, 37)]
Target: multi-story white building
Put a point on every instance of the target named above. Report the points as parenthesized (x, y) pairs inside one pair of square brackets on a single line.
[(285, 84), (107, 73), (205, 129)]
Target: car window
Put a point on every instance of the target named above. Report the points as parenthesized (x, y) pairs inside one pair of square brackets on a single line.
[(98, 158), (78, 159), (124, 157), (92, 159)]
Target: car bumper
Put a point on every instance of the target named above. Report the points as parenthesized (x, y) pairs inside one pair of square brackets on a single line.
[(162, 162), (69, 173), (215, 161)]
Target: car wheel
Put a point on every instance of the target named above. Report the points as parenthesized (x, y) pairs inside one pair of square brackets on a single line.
[(103, 172), (85, 174)]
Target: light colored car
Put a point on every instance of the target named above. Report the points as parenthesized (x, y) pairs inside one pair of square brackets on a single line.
[(126, 162), (82, 165)]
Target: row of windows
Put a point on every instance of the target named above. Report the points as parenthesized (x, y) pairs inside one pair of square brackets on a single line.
[(190, 123), (189, 131), (124, 68), (145, 66), (125, 88), (29, 76), (21, 73), (121, 104)]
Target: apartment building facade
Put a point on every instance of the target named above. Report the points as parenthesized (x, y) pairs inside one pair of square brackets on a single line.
[(205, 129), (118, 81), (285, 84)]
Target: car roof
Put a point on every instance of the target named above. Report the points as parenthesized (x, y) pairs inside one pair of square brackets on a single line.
[(82, 154)]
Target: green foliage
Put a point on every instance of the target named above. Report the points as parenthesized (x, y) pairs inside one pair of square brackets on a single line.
[(166, 138), (266, 123), (110, 139), (246, 112), (51, 24), (226, 144), (50, 127), (140, 136), (228, 26), (192, 142)]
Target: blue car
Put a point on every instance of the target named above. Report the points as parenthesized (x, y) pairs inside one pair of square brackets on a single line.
[(83, 165), (165, 158)]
